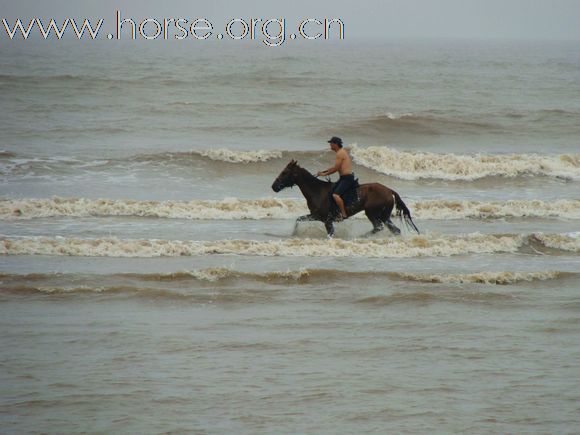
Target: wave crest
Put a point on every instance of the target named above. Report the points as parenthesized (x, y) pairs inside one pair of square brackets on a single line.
[(234, 156), (416, 246), (229, 285), (449, 209), (267, 208), (423, 297), (419, 165), (272, 208), (498, 278), (401, 164)]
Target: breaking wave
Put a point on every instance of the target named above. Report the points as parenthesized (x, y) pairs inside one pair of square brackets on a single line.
[(306, 276), (448, 209), (452, 297), (407, 165), (268, 208), (497, 278), (565, 242), (14, 164), (418, 165), (128, 290), (217, 154), (271, 208), (416, 246), (229, 285), (226, 155)]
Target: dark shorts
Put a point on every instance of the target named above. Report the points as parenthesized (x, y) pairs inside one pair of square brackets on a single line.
[(344, 184)]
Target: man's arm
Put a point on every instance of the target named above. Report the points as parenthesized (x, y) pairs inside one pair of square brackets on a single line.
[(336, 167)]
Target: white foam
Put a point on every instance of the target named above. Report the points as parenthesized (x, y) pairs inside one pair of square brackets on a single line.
[(273, 208), (564, 242), (393, 116), (416, 246), (267, 208), (417, 165), (236, 156), (461, 209), (501, 278)]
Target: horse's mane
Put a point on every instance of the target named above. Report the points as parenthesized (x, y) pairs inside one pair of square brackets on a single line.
[(308, 177)]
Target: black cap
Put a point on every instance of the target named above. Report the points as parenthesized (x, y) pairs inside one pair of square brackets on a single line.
[(335, 140)]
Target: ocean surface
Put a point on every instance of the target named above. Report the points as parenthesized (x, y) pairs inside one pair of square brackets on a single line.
[(151, 281)]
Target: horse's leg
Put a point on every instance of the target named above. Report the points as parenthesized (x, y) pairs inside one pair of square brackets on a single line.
[(391, 226), (329, 228), (375, 220), (386, 219)]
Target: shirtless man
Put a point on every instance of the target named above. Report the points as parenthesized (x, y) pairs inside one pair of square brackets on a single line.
[(343, 166)]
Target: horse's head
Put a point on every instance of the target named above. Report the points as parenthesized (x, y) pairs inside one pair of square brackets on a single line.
[(287, 177)]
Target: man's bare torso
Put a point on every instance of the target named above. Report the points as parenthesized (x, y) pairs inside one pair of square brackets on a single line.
[(343, 162)]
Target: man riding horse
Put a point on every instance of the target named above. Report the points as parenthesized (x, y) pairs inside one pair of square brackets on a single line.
[(375, 199), (343, 166)]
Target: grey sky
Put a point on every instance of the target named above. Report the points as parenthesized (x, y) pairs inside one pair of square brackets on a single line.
[(511, 19)]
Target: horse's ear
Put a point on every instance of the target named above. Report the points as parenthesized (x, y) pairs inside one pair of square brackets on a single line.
[(292, 163)]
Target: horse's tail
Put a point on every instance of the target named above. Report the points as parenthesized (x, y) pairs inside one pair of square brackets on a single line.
[(404, 213)]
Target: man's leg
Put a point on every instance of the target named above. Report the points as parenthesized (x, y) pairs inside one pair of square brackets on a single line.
[(340, 203)]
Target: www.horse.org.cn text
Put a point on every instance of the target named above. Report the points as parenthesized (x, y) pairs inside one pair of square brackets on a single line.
[(272, 32)]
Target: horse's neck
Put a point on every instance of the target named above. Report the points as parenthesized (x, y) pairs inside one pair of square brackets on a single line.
[(312, 188)]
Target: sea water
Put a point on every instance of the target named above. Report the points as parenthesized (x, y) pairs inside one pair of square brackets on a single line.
[(151, 281)]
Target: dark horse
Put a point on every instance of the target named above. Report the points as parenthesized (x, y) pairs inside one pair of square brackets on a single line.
[(375, 199)]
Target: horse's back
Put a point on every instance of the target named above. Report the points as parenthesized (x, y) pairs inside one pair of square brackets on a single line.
[(376, 196), (376, 188)]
